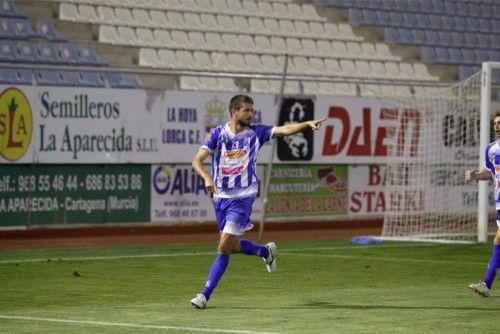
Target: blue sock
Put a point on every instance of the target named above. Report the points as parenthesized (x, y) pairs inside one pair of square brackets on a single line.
[(214, 275), (493, 266), (249, 248)]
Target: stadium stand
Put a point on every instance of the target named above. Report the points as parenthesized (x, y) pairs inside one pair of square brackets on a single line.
[(453, 32), (22, 45), (236, 37), (334, 39)]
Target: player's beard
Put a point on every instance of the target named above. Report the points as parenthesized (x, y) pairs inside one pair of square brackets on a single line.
[(245, 121)]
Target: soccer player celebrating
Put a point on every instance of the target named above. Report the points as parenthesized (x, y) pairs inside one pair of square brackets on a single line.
[(492, 168), (233, 184)]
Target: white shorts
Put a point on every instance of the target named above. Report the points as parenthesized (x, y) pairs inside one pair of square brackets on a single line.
[(235, 229)]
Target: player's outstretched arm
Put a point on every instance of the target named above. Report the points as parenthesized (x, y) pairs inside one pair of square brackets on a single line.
[(197, 164), (472, 175), (293, 128)]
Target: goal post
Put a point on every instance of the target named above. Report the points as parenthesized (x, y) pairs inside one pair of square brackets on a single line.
[(427, 198), (485, 122)]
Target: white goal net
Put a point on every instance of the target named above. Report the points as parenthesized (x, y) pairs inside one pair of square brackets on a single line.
[(427, 198)]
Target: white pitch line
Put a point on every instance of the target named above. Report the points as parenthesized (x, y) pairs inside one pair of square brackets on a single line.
[(371, 258), (94, 258), (131, 325), (140, 256)]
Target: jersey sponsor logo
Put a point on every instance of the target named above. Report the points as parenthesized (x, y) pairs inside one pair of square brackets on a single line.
[(16, 124), (227, 171), (236, 154)]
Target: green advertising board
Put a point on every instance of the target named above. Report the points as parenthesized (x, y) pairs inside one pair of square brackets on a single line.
[(73, 194), (307, 191)]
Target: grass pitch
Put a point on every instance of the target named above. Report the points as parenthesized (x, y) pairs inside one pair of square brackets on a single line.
[(320, 287)]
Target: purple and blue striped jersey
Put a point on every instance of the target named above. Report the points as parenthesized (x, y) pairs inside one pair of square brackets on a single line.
[(492, 163), (234, 158)]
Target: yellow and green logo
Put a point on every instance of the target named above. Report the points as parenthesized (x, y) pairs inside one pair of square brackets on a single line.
[(16, 124)]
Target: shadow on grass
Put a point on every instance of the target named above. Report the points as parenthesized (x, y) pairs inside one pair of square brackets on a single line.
[(327, 305)]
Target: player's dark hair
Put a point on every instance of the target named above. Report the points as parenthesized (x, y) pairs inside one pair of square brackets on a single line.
[(237, 101), (497, 114)]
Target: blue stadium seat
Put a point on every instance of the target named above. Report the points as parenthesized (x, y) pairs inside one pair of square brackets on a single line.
[(70, 78), (67, 54), (495, 78), (413, 6), (460, 23), (47, 30), (8, 9), (481, 55), (483, 41), (473, 9), (8, 51), (383, 18), (356, 16), (431, 37), (24, 77), (469, 57), (418, 36), (48, 78), (436, 22), (405, 36), (486, 26), (451, 8), (486, 10), (464, 72), (391, 35), (133, 79), (472, 24), (470, 39), (438, 6), (428, 54), (410, 20), (455, 55), (462, 8), (370, 17), (88, 56), (442, 55), (495, 24), (10, 76), (496, 10), (458, 39), (27, 52), (396, 19), (495, 41), (422, 21), (6, 29), (494, 55), (425, 6), (21, 28), (445, 38), (7, 76), (118, 80), (388, 5), (47, 53), (448, 23), (92, 79)]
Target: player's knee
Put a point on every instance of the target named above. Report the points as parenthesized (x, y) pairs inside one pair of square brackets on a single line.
[(224, 248)]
